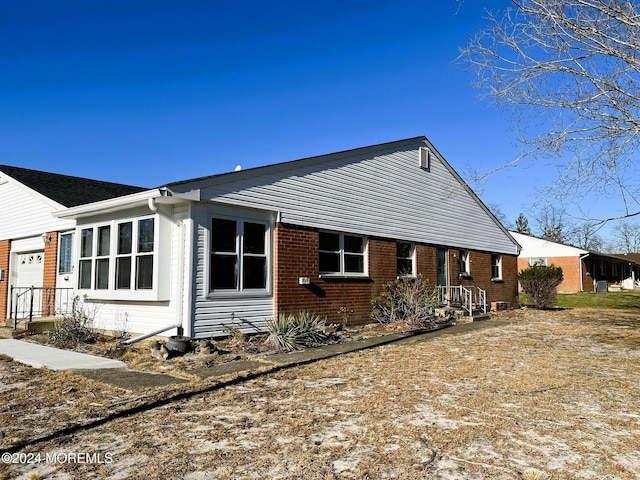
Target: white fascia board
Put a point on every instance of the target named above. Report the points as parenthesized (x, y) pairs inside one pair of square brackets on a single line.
[(160, 195), (539, 247)]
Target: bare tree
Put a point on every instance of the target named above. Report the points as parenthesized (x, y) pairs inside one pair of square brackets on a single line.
[(570, 70), (586, 237), (499, 214), (551, 224), (627, 237)]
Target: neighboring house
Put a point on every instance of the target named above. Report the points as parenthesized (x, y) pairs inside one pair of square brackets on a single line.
[(36, 247), (583, 270), (322, 234)]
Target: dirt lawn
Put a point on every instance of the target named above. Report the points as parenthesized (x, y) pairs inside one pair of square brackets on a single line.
[(548, 395)]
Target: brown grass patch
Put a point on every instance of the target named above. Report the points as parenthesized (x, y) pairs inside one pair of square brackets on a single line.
[(548, 395)]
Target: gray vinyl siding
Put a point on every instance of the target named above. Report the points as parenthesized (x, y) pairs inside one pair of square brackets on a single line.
[(216, 315), (376, 192)]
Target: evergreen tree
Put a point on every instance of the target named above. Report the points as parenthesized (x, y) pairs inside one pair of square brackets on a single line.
[(522, 225)]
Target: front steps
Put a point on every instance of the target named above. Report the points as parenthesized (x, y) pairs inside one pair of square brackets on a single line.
[(38, 325), (463, 315)]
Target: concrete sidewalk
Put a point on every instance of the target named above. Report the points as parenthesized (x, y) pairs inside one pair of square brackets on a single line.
[(54, 358)]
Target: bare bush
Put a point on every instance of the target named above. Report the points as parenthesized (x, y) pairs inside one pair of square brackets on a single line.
[(76, 326), (410, 300)]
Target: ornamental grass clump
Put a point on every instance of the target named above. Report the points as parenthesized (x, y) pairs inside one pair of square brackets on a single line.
[(408, 300), (294, 332)]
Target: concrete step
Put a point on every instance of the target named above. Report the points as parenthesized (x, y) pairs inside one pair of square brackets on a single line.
[(9, 332), (37, 325)]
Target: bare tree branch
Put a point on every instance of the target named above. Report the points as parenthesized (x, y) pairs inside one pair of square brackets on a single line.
[(570, 71)]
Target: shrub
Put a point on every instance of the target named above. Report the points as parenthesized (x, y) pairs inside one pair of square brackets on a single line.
[(541, 283), (293, 332), (77, 326), (411, 300)]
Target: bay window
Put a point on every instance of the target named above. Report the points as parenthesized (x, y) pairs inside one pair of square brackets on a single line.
[(118, 256)]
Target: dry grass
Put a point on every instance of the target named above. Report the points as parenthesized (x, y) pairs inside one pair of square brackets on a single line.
[(551, 395)]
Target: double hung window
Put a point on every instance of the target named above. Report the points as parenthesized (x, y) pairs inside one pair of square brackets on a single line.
[(496, 267), (404, 258), (465, 263), (342, 254), (239, 255)]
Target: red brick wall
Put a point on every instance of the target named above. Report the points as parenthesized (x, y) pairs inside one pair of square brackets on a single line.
[(50, 268), (5, 249), (503, 290), (50, 260), (296, 255), (426, 263), (570, 272)]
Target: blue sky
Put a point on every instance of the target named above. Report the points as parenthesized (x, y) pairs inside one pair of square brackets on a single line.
[(150, 92)]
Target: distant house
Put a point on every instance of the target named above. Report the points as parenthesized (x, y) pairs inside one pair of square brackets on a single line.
[(583, 270), (322, 234)]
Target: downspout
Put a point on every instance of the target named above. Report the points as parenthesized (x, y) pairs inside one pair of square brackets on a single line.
[(153, 206), (582, 257)]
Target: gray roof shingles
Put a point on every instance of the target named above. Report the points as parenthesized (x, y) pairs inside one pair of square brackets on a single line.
[(67, 190)]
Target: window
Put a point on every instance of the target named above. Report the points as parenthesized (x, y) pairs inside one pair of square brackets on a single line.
[(341, 254), (239, 255), (603, 267), (496, 267), (404, 258), (465, 264), (614, 269), (131, 250), (65, 255), (86, 258), (538, 261)]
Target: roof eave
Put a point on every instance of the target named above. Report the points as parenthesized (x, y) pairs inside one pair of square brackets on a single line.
[(147, 197)]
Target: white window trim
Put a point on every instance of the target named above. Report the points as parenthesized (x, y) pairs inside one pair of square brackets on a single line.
[(161, 269), (342, 273), (240, 218), (465, 263), (541, 261), (71, 235), (412, 257), (499, 265)]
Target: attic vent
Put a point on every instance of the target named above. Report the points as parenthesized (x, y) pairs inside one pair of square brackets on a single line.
[(424, 155)]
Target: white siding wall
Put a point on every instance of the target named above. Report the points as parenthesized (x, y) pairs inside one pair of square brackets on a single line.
[(149, 316), (24, 213), (383, 193), (539, 247)]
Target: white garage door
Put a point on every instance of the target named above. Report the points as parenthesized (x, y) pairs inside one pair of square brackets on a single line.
[(30, 269)]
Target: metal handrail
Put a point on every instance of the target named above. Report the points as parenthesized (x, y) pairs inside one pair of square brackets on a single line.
[(41, 301), (466, 298)]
